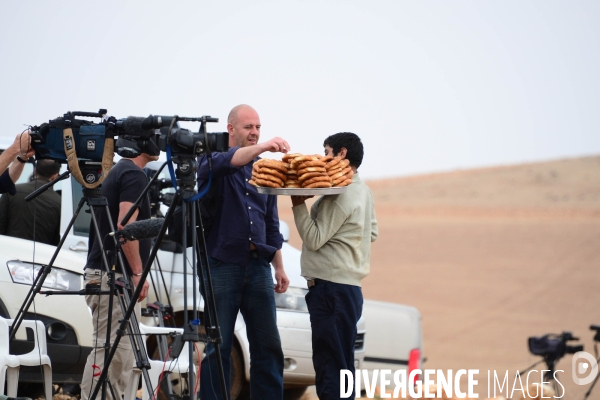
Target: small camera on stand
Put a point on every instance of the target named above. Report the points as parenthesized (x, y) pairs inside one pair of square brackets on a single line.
[(553, 346)]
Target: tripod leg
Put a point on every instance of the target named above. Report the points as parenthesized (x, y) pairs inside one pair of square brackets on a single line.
[(131, 304), (190, 329), (104, 315), (130, 319), (41, 277), (587, 394), (121, 366), (211, 322)]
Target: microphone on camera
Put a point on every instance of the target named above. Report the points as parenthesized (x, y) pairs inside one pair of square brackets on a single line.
[(140, 230), (134, 126), (155, 121)]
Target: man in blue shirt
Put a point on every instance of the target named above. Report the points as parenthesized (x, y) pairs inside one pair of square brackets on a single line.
[(243, 240)]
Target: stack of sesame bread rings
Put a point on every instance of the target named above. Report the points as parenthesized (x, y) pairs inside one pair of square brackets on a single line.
[(302, 171)]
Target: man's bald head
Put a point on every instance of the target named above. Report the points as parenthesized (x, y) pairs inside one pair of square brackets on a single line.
[(233, 114), (243, 125)]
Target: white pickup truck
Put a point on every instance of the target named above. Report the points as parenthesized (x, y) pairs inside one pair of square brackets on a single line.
[(389, 334)]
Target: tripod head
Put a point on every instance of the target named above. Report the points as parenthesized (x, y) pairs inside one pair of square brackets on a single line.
[(187, 166), (596, 328)]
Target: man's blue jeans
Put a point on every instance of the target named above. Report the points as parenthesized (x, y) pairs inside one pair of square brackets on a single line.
[(334, 312), (251, 291)]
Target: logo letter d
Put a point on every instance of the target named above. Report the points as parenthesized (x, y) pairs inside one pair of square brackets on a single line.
[(581, 366)]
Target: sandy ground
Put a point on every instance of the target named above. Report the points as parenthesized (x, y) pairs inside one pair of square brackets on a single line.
[(490, 257)]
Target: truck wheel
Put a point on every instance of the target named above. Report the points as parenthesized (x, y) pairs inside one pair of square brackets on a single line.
[(237, 378)]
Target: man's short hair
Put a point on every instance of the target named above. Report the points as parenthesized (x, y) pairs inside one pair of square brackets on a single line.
[(352, 143), (47, 168)]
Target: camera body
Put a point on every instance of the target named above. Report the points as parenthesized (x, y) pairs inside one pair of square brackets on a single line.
[(61, 137), (136, 135), (183, 141), (88, 138), (186, 146), (553, 346), (186, 142), (154, 134)]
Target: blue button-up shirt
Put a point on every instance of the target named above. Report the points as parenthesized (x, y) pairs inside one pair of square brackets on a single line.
[(245, 216)]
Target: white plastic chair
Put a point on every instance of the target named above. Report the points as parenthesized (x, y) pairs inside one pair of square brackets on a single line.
[(10, 363), (180, 365)]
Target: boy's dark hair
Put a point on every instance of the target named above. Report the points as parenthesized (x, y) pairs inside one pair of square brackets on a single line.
[(47, 168), (352, 143)]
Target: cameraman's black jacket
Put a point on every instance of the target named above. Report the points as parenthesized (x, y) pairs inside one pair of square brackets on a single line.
[(19, 218)]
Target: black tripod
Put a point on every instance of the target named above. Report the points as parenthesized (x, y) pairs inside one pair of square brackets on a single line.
[(549, 375), (186, 168), (119, 288), (595, 328), (552, 347)]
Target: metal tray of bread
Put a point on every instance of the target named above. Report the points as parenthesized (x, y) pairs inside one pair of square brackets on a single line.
[(301, 191)]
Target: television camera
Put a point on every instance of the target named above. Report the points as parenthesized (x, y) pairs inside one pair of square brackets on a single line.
[(553, 347), (184, 146), (89, 147)]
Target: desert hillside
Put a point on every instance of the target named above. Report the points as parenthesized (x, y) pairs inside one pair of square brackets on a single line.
[(490, 257), (563, 188)]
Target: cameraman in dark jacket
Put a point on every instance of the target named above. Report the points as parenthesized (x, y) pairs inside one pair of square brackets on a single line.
[(40, 216)]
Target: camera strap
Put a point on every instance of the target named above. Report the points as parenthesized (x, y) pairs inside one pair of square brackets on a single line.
[(107, 159)]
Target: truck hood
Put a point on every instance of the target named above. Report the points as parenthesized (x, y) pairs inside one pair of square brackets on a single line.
[(27, 250)]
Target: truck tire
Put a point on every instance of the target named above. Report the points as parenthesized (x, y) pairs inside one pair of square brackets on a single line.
[(238, 387)]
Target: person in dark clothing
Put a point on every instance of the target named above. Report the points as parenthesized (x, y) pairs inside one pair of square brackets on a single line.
[(15, 156), (243, 243), (38, 219)]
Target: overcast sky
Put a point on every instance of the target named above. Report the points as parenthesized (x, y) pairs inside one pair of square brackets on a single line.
[(429, 86)]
